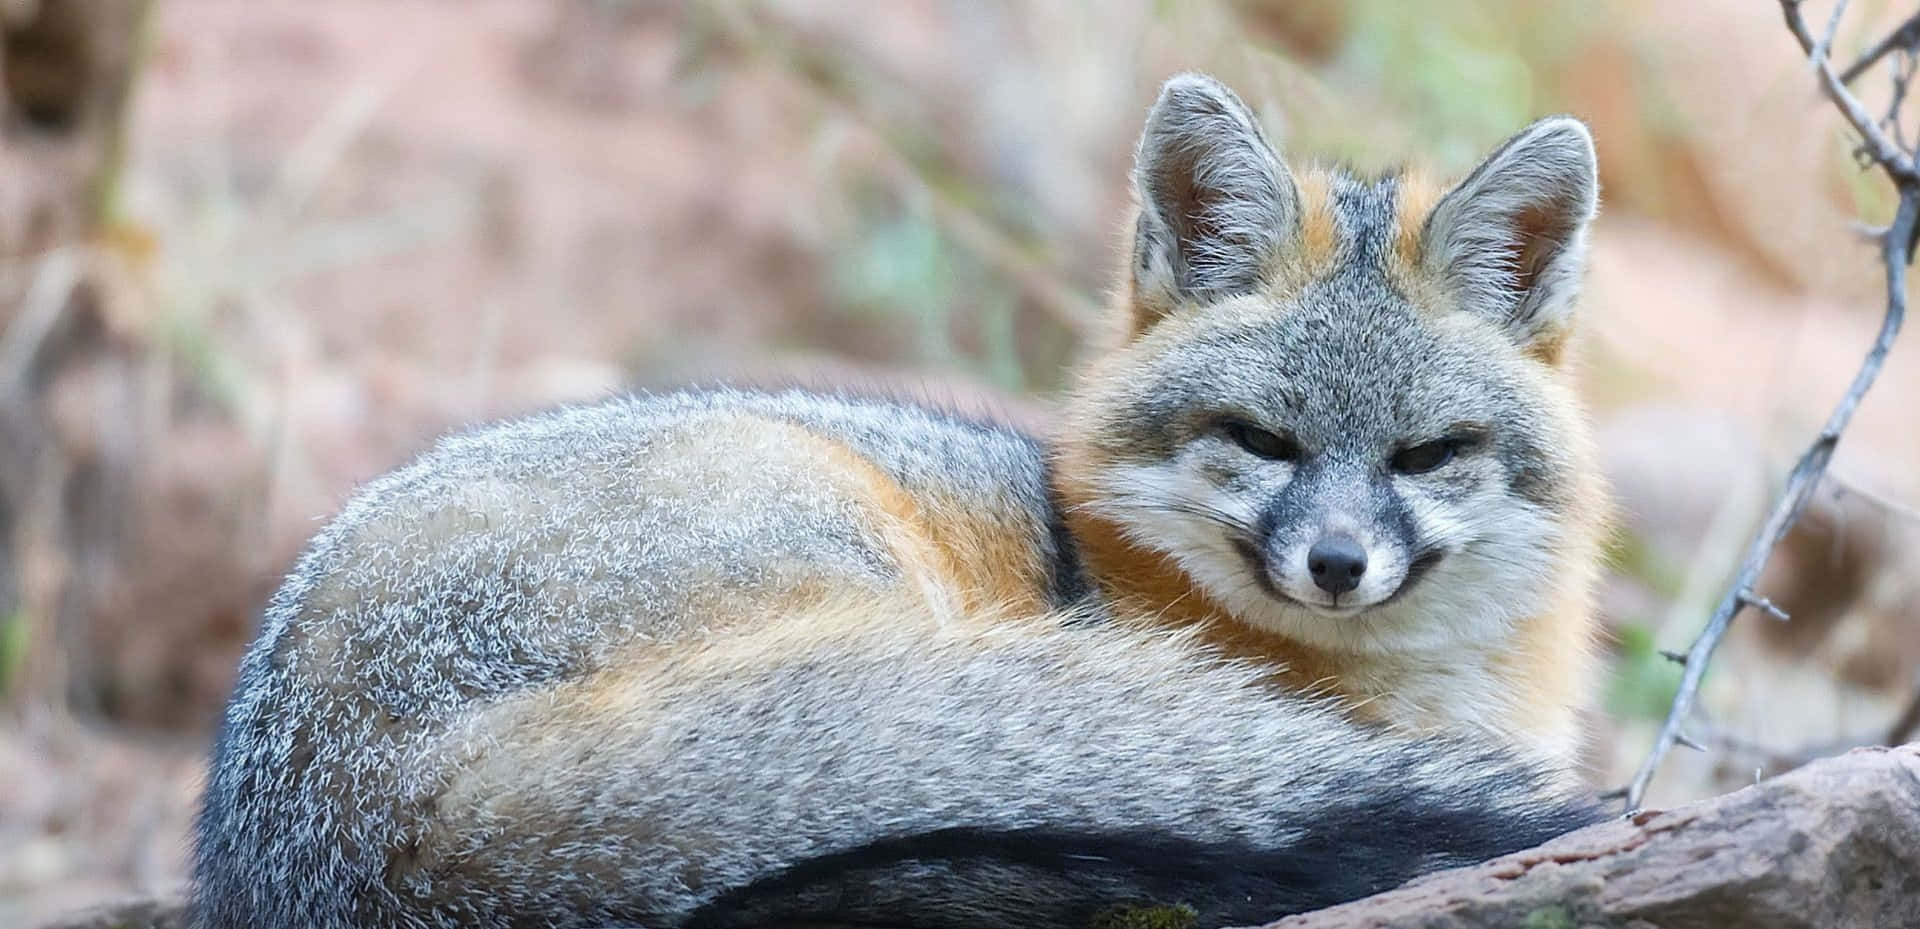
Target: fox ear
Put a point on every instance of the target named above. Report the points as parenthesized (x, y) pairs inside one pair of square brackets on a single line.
[(1215, 201), (1512, 238)]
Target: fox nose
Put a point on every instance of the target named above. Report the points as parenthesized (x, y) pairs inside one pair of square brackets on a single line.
[(1336, 563)]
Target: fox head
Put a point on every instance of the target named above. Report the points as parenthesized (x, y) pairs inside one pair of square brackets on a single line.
[(1340, 405)]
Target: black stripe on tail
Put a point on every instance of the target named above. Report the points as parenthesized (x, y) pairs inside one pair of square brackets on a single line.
[(965, 878)]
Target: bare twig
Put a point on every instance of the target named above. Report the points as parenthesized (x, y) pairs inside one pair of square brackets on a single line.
[(1800, 486), (1874, 143), (1903, 729), (1903, 72), (1896, 250), (1906, 36), (1749, 598), (1824, 48)]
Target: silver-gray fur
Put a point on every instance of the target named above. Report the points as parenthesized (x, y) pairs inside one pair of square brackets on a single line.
[(373, 769), (1249, 428), (988, 780), (1513, 235), (1215, 201), (1369, 373), (516, 682), (515, 556)]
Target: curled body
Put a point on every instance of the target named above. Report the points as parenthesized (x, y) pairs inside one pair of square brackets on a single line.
[(727, 658), (468, 708)]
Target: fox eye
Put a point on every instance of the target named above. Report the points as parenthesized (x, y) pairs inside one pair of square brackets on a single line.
[(1419, 459), (1268, 445)]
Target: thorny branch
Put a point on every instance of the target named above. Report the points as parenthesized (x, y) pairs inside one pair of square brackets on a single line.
[(1902, 38), (1896, 251), (1824, 50), (1904, 729), (1905, 63), (1874, 144)]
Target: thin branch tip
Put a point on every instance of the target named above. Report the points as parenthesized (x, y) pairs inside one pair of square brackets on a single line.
[(1763, 604), (1897, 243)]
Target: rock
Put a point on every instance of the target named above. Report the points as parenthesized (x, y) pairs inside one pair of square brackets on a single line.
[(1834, 844)]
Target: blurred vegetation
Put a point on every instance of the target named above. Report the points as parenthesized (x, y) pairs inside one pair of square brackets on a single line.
[(13, 645), (1642, 682)]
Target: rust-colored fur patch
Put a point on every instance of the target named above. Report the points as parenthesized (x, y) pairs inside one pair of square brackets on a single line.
[(1540, 670), (1312, 255), (1146, 586), (1417, 195), (944, 546), (1143, 585), (1414, 201)]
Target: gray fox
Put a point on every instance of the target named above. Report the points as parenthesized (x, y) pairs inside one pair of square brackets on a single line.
[(731, 658)]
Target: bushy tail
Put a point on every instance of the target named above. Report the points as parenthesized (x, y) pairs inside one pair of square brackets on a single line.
[(857, 767)]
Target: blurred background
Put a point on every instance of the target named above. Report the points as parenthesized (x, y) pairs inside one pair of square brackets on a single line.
[(253, 252)]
